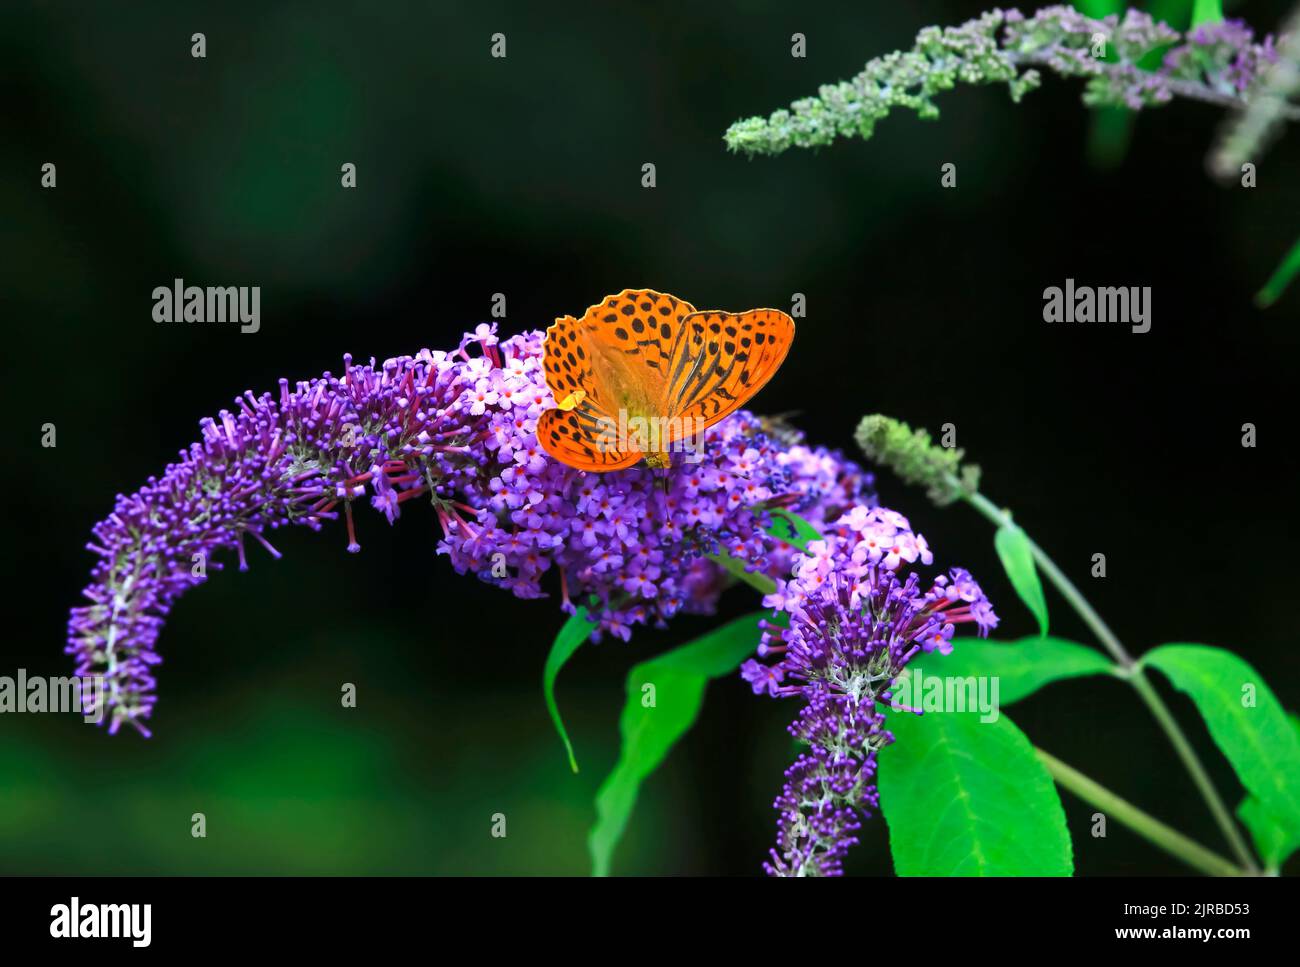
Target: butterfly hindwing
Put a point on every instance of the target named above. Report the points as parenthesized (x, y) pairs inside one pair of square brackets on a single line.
[(565, 360), (612, 358), (721, 359), (575, 438)]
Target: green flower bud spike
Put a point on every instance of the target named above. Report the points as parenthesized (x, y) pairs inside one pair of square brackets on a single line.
[(917, 460)]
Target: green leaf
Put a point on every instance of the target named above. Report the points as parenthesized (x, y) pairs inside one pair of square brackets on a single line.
[(1018, 561), (1280, 279), (1021, 667), (1110, 132), (575, 631), (755, 579), (1110, 127), (785, 526), (969, 798), (649, 732), (1207, 12), (1256, 736), (1273, 840), (1099, 8), (792, 529), (1173, 12)]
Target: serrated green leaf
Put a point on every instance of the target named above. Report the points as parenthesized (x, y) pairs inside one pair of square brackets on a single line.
[(678, 678), (1021, 667), (1018, 561), (1248, 725), (575, 631), (969, 798)]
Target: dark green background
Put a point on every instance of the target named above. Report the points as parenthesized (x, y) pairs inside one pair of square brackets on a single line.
[(522, 176)]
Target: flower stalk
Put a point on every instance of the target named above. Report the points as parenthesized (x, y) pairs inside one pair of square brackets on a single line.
[(1137, 677), (917, 461), (1148, 827)]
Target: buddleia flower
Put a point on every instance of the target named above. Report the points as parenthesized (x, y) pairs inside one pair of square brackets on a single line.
[(456, 431), (855, 617)]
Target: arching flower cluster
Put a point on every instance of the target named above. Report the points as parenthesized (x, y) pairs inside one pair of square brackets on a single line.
[(1126, 59), (1217, 62), (854, 621), (455, 429)]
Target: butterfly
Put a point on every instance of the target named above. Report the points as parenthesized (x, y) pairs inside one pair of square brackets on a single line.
[(642, 372)]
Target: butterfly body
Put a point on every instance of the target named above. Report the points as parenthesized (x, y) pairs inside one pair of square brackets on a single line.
[(642, 372)]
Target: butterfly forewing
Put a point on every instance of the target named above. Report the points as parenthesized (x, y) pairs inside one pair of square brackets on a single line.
[(631, 335), (719, 360)]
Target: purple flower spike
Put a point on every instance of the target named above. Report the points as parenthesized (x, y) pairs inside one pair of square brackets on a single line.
[(458, 430), (854, 624)]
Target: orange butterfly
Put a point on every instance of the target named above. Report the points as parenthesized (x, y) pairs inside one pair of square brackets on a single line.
[(643, 370)]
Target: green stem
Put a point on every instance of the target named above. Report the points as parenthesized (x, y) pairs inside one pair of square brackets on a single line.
[(1133, 673), (1280, 278), (1222, 816), (1148, 827), (1063, 584)]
